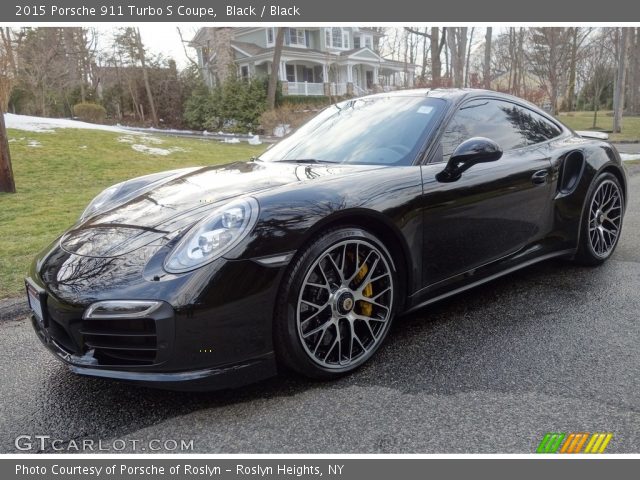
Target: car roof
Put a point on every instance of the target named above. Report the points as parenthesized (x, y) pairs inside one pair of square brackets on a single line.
[(455, 95)]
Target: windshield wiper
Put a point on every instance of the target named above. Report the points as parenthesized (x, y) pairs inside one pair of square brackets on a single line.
[(306, 160)]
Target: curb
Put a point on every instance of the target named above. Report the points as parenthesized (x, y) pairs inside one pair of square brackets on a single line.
[(13, 308)]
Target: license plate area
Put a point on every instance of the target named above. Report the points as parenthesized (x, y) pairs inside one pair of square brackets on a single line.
[(37, 298)]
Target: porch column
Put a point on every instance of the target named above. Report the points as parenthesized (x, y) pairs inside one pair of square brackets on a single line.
[(326, 87), (349, 79), (282, 73)]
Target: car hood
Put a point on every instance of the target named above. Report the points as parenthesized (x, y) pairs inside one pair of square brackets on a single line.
[(180, 201)]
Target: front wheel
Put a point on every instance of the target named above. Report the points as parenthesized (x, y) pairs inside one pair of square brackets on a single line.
[(602, 220), (336, 305)]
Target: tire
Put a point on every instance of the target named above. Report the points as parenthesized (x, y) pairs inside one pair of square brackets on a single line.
[(601, 220), (323, 326)]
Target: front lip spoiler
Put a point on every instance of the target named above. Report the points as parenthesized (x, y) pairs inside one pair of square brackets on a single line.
[(216, 378), (209, 379)]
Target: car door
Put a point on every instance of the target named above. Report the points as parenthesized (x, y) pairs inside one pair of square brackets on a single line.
[(496, 208)]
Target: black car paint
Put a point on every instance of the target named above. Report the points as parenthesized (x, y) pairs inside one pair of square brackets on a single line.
[(444, 237)]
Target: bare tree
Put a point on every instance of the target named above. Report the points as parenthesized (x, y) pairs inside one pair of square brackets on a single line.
[(634, 71), (596, 71), (145, 76), (194, 63), (7, 183), (275, 68), (618, 91), (548, 59), (468, 60), (457, 43), (486, 72), (436, 45)]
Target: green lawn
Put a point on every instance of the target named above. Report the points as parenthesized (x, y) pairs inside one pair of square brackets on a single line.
[(584, 121), (57, 174)]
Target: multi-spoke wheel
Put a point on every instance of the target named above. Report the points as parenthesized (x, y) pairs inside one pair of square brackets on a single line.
[(337, 305), (602, 221)]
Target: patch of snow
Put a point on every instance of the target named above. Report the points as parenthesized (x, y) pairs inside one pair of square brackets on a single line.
[(167, 130), (628, 157), (150, 150), (153, 140), (156, 151), (34, 143), (49, 125), (255, 140), (282, 130), (126, 139), (82, 147), (231, 140)]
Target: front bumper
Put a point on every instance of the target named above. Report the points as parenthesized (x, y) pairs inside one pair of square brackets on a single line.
[(213, 330), (207, 379)]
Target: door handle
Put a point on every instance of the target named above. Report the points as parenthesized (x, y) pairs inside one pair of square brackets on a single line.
[(539, 177)]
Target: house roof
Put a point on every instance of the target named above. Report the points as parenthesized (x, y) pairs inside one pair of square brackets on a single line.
[(371, 31), (250, 48)]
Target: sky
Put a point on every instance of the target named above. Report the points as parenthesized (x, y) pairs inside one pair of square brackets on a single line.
[(158, 38)]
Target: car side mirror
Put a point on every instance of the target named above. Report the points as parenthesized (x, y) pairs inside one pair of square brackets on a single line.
[(467, 154)]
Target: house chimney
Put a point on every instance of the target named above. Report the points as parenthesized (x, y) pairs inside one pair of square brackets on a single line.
[(225, 67)]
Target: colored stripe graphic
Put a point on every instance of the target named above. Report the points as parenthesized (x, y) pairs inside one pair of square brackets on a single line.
[(550, 443), (598, 443), (573, 442), (580, 443)]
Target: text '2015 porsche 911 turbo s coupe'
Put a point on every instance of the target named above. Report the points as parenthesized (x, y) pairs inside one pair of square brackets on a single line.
[(215, 276)]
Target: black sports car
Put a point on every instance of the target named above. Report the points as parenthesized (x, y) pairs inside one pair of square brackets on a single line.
[(216, 276)]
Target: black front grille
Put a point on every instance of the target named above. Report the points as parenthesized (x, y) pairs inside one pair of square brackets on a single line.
[(121, 341)]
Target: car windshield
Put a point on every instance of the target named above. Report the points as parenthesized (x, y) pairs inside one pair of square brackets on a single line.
[(381, 130)]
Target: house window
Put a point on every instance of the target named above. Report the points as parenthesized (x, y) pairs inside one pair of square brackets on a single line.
[(296, 36), (336, 37), (244, 72), (291, 73), (356, 41), (368, 41), (270, 36)]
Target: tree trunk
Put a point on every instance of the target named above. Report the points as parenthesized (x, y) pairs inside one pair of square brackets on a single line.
[(618, 95), (7, 183), (466, 68), (572, 70), (436, 63), (634, 71), (145, 76), (275, 68), (486, 73)]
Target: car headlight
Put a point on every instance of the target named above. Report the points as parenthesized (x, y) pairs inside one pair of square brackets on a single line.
[(214, 236), (99, 201)]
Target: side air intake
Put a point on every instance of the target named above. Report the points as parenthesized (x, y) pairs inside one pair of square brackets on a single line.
[(571, 171)]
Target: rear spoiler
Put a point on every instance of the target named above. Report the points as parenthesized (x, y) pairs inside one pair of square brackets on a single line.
[(592, 134)]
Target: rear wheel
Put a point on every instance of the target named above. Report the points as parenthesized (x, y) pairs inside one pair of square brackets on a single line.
[(337, 304), (602, 221)]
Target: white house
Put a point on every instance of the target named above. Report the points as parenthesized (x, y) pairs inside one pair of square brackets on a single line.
[(315, 61)]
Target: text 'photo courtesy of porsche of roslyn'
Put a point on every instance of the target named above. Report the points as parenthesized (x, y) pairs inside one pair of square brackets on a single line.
[(318, 238)]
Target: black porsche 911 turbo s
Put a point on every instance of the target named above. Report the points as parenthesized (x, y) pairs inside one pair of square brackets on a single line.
[(214, 277)]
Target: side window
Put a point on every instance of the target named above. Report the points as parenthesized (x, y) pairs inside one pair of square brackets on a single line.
[(508, 124)]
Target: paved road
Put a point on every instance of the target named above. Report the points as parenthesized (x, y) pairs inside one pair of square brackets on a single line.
[(552, 348)]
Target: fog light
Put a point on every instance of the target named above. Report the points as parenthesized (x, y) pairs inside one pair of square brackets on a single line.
[(121, 309)]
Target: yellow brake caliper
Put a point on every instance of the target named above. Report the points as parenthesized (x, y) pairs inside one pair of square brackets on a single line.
[(366, 307)]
